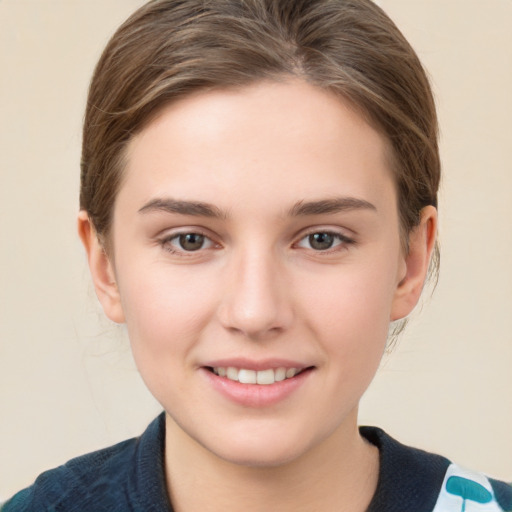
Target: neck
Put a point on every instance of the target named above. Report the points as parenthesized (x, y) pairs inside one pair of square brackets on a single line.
[(338, 475)]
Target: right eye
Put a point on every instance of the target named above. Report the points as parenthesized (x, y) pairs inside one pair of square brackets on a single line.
[(186, 242)]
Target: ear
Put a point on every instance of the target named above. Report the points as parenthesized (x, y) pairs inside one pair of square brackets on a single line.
[(416, 262), (101, 268)]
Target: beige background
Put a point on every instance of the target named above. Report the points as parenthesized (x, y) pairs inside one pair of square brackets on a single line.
[(67, 382)]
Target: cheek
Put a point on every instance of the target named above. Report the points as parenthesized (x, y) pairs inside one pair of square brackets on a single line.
[(356, 300), (165, 311), (165, 307), (349, 313), (349, 320)]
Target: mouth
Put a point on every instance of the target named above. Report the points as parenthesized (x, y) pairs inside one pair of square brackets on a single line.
[(257, 384), (261, 377)]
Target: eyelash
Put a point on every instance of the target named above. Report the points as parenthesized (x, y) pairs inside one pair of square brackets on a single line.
[(343, 242), (166, 243)]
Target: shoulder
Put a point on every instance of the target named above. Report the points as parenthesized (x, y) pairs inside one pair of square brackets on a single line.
[(117, 478), (76, 481), (463, 486), (412, 479)]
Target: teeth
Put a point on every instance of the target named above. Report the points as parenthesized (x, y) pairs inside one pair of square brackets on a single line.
[(280, 374), (265, 377), (262, 377), (247, 376), (232, 373), (290, 373)]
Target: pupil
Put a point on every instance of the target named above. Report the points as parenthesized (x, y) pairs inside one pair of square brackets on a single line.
[(321, 241), (191, 241)]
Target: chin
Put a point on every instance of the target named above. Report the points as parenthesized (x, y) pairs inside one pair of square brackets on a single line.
[(263, 447), (256, 456)]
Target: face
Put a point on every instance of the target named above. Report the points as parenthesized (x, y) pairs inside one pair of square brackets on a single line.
[(257, 264)]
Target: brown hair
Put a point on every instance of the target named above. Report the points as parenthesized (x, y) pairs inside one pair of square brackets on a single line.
[(171, 48)]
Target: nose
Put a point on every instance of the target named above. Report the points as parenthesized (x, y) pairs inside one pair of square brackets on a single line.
[(256, 300)]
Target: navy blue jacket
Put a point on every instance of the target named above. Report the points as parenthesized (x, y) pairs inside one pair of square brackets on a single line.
[(129, 477)]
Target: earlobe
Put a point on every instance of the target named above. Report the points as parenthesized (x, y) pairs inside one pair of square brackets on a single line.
[(421, 246), (101, 268)]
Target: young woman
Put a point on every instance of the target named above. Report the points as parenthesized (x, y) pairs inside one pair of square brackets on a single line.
[(258, 204)]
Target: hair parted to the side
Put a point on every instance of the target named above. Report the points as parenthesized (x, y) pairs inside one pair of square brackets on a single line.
[(171, 48)]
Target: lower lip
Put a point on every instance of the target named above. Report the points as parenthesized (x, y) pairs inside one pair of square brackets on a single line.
[(256, 395)]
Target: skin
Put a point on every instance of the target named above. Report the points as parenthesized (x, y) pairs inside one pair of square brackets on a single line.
[(258, 289)]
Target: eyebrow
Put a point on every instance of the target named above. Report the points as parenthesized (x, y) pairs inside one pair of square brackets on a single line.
[(195, 208), (326, 206), (299, 209)]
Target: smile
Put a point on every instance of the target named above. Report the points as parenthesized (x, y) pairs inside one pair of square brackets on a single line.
[(257, 384), (262, 377)]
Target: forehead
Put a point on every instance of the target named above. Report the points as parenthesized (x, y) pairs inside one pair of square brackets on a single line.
[(287, 137)]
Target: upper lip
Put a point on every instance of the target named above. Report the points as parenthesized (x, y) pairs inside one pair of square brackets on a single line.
[(251, 364)]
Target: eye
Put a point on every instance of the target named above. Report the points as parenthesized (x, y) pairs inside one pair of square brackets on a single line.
[(187, 242), (324, 240)]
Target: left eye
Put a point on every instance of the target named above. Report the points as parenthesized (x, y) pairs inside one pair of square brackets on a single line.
[(189, 242), (323, 241)]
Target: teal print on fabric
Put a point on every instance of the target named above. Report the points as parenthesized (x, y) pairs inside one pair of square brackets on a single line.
[(468, 490)]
